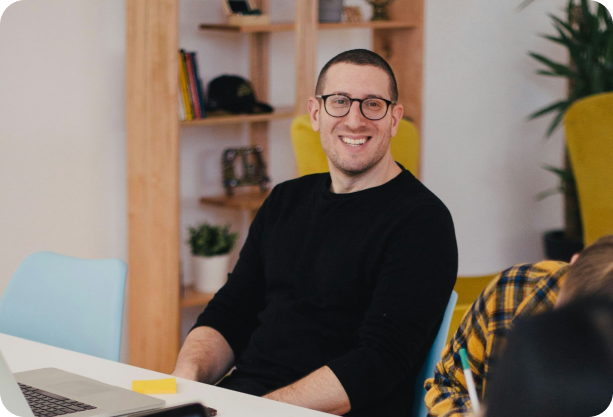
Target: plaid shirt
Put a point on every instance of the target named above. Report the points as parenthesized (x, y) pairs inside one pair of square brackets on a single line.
[(519, 291)]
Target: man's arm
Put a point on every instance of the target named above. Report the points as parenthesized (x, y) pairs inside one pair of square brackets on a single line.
[(205, 356), (320, 390), (447, 395)]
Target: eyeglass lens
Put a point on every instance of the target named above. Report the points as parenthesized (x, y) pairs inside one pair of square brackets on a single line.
[(372, 108)]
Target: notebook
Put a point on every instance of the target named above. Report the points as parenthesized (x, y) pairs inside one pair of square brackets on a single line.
[(50, 392)]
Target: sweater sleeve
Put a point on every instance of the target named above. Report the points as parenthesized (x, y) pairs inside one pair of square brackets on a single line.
[(447, 395), (415, 281), (233, 310)]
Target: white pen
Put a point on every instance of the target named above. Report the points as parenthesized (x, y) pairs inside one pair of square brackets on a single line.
[(470, 382)]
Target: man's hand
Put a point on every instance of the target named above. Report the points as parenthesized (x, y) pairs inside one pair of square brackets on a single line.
[(205, 356), (320, 390)]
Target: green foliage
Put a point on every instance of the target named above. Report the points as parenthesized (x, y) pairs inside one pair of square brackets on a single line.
[(588, 37), (207, 240)]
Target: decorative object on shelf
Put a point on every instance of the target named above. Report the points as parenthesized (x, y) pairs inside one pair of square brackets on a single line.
[(191, 96), (330, 11), (244, 13), (352, 14), (234, 94), (379, 11), (251, 166), (587, 34), (210, 247)]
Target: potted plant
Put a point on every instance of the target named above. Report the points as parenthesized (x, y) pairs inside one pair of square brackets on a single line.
[(210, 247), (587, 34)]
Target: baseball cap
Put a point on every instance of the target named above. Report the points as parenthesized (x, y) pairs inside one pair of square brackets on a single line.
[(234, 94)]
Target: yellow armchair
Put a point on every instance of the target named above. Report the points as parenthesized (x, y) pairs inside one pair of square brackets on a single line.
[(311, 159), (589, 134)]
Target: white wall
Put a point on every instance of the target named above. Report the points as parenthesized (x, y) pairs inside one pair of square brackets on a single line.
[(480, 154), (62, 135), (62, 130)]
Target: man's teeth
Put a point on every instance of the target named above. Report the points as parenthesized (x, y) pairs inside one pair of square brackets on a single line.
[(353, 142)]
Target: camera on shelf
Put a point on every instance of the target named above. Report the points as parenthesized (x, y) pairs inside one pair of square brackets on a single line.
[(243, 12)]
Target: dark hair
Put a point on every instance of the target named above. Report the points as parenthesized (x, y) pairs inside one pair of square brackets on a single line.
[(359, 57), (592, 273), (556, 364)]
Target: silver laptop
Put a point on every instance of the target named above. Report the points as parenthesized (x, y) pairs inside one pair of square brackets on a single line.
[(50, 392)]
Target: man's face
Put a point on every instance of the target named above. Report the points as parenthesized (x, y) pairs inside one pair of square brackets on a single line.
[(353, 143)]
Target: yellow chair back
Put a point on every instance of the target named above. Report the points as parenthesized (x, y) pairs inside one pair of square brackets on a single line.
[(589, 134), (468, 289), (311, 158)]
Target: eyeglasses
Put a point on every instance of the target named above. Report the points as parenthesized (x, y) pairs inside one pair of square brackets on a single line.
[(338, 105)]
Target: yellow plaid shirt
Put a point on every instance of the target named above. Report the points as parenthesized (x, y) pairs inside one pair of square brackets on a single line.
[(519, 291)]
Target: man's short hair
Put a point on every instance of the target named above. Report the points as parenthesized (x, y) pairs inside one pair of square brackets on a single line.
[(359, 57), (592, 272)]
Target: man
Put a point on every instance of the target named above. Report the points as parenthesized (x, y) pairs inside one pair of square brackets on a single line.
[(344, 277), (518, 292)]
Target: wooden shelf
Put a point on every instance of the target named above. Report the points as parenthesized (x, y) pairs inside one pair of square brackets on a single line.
[(218, 118), (247, 201), (287, 27), (273, 27), (391, 24), (193, 298)]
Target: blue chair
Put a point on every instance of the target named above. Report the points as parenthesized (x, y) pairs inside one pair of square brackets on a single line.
[(434, 356), (71, 303)]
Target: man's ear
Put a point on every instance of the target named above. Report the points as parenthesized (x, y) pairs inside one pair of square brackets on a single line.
[(314, 114), (397, 112), (574, 258)]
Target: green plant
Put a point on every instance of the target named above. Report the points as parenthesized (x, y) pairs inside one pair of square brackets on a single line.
[(587, 34), (207, 240)]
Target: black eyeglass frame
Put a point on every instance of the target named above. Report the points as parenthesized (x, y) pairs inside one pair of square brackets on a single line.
[(359, 100)]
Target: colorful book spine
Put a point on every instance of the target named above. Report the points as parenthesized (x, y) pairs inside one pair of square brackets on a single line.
[(199, 87), (195, 101), (182, 115), (183, 78)]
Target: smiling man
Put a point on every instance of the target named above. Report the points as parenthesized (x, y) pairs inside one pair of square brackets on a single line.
[(344, 278)]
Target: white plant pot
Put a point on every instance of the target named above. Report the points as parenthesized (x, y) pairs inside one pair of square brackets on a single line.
[(210, 272)]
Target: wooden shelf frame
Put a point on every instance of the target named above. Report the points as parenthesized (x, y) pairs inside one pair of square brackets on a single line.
[(153, 139), (289, 26), (228, 118)]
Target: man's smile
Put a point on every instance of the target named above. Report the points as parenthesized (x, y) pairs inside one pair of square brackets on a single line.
[(355, 140)]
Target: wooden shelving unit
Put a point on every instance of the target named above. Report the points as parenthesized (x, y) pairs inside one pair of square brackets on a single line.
[(193, 298), (288, 27), (153, 139), (250, 201), (229, 118)]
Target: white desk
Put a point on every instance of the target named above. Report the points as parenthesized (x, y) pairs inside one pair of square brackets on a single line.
[(24, 355)]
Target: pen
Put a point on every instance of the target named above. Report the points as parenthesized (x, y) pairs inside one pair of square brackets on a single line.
[(470, 382)]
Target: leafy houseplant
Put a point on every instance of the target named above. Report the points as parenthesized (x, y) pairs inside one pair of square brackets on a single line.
[(587, 34), (207, 240), (210, 246)]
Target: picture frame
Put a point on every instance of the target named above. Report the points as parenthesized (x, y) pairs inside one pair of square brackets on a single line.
[(243, 13)]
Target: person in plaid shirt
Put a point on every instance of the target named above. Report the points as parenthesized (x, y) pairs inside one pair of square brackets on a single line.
[(520, 291)]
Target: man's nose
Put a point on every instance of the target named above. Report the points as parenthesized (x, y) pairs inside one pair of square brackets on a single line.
[(355, 117)]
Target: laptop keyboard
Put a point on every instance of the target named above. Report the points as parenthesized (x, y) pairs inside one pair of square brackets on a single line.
[(47, 404)]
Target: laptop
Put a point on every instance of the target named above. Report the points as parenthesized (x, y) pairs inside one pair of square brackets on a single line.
[(185, 410), (50, 392)]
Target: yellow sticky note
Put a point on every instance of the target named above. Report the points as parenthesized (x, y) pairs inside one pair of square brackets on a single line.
[(156, 386)]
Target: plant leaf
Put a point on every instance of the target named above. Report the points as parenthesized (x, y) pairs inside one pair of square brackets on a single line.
[(556, 121), (555, 66), (555, 106)]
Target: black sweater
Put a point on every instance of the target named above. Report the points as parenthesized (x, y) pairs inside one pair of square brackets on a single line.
[(358, 282)]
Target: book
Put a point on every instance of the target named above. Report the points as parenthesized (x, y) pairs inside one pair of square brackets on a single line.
[(191, 76), (183, 78), (199, 87)]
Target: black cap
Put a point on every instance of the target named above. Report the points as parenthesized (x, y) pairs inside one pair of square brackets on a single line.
[(234, 94)]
